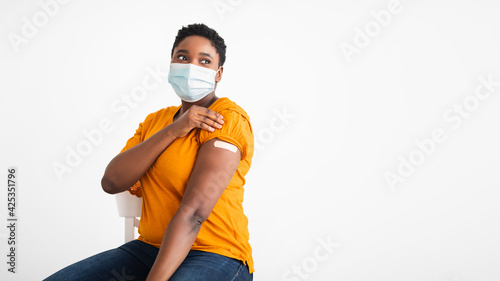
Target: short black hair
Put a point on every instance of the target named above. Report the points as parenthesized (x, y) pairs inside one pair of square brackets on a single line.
[(201, 29)]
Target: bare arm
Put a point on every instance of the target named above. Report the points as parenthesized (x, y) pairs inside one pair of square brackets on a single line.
[(129, 166), (212, 172)]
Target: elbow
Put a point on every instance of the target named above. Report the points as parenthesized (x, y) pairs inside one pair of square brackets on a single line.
[(195, 221), (195, 216), (200, 215), (108, 185), (198, 219)]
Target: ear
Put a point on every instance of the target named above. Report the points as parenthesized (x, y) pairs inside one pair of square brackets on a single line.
[(218, 76)]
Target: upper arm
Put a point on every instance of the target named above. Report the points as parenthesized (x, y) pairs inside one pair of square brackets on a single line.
[(138, 136), (213, 169)]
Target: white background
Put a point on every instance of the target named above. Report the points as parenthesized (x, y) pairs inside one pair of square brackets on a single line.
[(320, 173)]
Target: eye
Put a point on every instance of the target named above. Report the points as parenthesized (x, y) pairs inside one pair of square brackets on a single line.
[(205, 61), (181, 57)]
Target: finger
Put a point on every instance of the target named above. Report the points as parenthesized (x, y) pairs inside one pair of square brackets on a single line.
[(206, 127), (211, 123), (214, 115)]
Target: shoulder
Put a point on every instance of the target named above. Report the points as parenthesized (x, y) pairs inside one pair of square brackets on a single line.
[(236, 129), (162, 114), (225, 105)]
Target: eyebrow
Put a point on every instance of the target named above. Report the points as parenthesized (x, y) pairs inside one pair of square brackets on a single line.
[(187, 52)]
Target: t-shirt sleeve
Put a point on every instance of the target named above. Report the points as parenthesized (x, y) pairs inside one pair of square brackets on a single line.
[(140, 133), (135, 140), (235, 130)]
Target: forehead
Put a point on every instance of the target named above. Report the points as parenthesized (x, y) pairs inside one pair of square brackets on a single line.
[(195, 44)]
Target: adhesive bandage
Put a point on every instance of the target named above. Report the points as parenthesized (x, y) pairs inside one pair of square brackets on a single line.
[(225, 145)]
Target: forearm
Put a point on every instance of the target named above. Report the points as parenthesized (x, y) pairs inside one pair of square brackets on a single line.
[(209, 178), (177, 242), (129, 166)]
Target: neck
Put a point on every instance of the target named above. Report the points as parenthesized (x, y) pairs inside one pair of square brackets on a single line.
[(204, 102)]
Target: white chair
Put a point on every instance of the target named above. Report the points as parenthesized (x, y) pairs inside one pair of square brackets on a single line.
[(129, 207)]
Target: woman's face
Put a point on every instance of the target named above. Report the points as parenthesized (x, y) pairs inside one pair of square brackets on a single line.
[(199, 51)]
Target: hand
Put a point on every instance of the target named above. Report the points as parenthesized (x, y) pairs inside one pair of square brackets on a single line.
[(197, 117), (136, 189)]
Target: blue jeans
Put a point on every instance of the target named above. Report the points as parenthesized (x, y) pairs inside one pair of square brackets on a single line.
[(133, 261)]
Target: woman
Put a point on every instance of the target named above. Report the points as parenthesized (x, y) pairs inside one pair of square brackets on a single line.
[(190, 162)]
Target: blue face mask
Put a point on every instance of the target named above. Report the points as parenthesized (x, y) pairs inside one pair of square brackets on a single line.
[(191, 82)]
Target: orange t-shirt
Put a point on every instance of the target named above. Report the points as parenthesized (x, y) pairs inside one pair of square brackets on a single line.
[(225, 232)]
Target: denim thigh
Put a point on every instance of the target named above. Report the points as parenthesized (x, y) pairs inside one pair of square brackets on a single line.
[(205, 266), (131, 261)]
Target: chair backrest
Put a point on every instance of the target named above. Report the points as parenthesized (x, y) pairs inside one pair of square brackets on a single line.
[(129, 207)]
